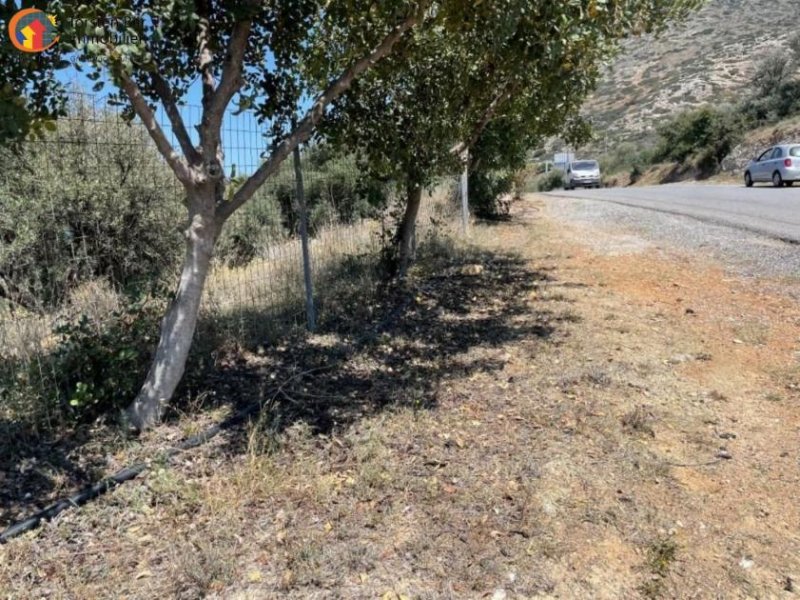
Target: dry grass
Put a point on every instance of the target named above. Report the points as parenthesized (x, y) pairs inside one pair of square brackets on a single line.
[(503, 438), (276, 279)]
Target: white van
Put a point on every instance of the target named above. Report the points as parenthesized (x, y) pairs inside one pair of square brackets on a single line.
[(582, 173)]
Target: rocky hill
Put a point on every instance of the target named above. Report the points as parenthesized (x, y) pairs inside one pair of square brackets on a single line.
[(709, 58)]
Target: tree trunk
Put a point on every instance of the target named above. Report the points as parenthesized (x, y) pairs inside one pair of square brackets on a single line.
[(406, 232), (178, 326)]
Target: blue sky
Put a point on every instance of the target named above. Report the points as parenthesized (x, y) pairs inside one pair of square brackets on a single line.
[(243, 137)]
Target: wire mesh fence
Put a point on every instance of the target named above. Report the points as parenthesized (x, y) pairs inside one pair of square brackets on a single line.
[(91, 222)]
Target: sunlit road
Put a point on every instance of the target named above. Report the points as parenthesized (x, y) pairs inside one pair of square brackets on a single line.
[(771, 211)]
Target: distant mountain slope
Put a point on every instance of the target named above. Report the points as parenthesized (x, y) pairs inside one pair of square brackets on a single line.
[(710, 58)]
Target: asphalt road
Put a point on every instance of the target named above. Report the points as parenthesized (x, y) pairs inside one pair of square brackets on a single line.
[(770, 211)]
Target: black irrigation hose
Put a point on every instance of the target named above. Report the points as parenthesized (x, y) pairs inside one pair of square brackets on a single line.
[(121, 476), (128, 473)]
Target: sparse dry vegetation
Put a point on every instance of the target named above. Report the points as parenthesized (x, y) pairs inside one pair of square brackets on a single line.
[(710, 58), (503, 435)]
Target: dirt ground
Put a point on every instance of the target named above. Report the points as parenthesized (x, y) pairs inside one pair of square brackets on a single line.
[(537, 417)]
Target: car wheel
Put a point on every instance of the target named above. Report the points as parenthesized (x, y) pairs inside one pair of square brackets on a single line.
[(748, 179), (777, 180)]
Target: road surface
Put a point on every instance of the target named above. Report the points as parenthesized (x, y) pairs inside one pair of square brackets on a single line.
[(770, 211)]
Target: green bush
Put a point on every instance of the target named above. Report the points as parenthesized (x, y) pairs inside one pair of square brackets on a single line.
[(782, 102), (94, 368), (336, 189), (103, 365), (92, 200), (251, 229), (489, 193), (552, 181), (626, 157), (704, 137)]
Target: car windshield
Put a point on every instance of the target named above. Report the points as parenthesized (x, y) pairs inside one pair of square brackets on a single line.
[(584, 165), (795, 151)]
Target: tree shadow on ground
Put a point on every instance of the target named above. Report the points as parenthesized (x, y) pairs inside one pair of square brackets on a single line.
[(395, 349), (376, 348), (35, 468)]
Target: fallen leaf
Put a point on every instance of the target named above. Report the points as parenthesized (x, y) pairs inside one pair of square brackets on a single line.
[(254, 577), (287, 579)]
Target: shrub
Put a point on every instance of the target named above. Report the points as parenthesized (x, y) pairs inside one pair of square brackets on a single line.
[(553, 180), (705, 136), (489, 193), (771, 73), (95, 367), (626, 156), (251, 229), (782, 102), (90, 201), (336, 190)]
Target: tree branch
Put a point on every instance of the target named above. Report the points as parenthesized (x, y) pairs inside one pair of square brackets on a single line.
[(302, 132), (140, 106), (487, 117), (164, 91), (205, 57), (230, 82)]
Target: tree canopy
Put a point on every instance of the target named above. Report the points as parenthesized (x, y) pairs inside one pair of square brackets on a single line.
[(416, 81)]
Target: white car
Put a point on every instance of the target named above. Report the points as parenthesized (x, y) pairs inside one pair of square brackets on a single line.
[(582, 173)]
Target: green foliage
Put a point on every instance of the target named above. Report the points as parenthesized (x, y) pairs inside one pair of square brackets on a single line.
[(490, 193), (552, 181), (100, 366), (772, 72), (626, 156), (337, 191), (775, 88), (706, 136), (91, 201), (31, 97), (782, 102), (94, 367), (250, 230), (636, 173)]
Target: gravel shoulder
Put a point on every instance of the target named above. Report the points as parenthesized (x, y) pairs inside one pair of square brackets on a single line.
[(743, 252)]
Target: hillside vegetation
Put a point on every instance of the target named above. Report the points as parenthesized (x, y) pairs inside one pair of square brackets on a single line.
[(708, 59)]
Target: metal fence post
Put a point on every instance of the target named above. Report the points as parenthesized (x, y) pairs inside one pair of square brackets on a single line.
[(311, 316), (465, 194)]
